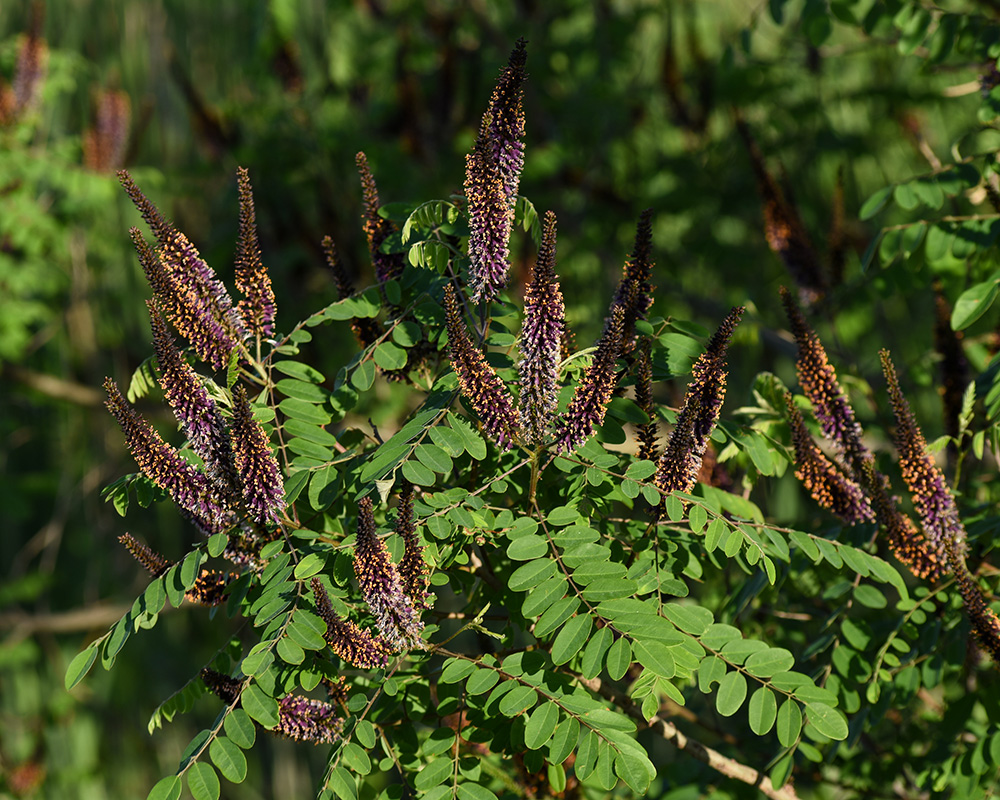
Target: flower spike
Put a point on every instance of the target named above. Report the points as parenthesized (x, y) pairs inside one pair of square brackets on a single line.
[(257, 306), (104, 145), (307, 720), (985, 624), (590, 400), (365, 329), (646, 433), (412, 568), (828, 485), (685, 450), (377, 229), (819, 383), (263, 490), (483, 388), (354, 645), (931, 497), (905, 539), (193, 298), (153, 562), (195, 410), (190, 489), (541, 336), (380, 583), (492, 175), (634, 293)]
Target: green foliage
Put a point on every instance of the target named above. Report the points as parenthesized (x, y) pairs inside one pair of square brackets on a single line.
[(566, 614)]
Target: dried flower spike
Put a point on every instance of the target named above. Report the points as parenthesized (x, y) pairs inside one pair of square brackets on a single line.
[(492, 174), (681, 460), (828, 486), (222, 686), (381, 586), (190, 489), (153, 562), (347, 640), (256, 309), (541, 336), (263, 490), (481, 386), (590, 400)]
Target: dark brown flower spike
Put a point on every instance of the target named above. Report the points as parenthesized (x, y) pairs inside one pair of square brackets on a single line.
[(351, 643), (257, 308)]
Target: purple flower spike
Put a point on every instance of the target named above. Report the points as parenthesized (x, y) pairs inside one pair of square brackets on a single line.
[(195, 410), (481, 386), (590, 400), (190, 489), (828, 486), (263, 490), (504, 121), (257, 307), (307, 720), (681, 460), (932, 499), (541, 338), (380, 583), (193, 298), (347, 640), (819, 383), (412, 568), (905, 540), (492, 175), (635, 293), (647, 433), (377, 229), (154, 563)]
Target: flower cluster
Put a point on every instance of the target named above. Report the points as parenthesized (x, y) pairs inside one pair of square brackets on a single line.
[(822, 479), (635, 292), (377, 228), (413, 572), (541, 337), (682, 457), (209, 587), (647, 432), (104, 145), (818, 380), (492, 174), (352, 644), (381, 585), (257, 307), (480, 384), (365, 329), (932, 499), (590, 399)]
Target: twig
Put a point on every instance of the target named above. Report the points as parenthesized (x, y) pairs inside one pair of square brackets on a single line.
[(714, 759)]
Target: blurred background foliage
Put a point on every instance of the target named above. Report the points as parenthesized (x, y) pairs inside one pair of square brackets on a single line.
[(630, 104)]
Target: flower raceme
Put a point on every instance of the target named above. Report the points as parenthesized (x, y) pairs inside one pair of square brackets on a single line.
[(481, 385), (682, 457), (541, 338), (382, 586), (492, 175)]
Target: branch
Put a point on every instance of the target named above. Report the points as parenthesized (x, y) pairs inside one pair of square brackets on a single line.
[(714, 759)]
